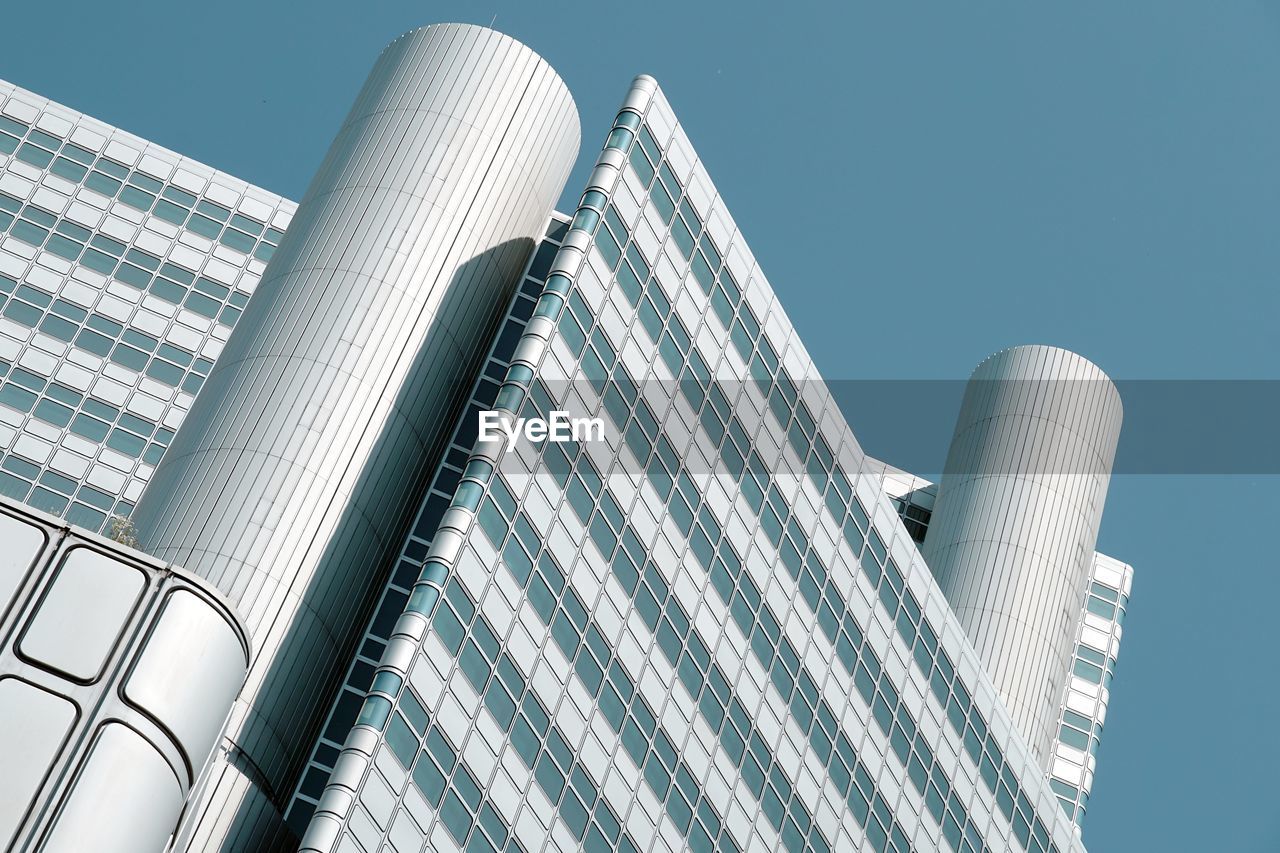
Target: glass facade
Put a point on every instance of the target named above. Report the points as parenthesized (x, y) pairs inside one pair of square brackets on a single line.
[(123, 269), (395, 596), (709, 631)]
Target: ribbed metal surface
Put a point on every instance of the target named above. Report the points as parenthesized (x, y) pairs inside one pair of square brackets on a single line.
[(307, 449), (1012, 536)]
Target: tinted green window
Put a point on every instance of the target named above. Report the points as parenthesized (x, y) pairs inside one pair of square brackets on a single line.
[(21, 312), (21, 467), (92, 429), (147, 182), (168, 291), (64, 247), (6, 219), (401, 739), (61, 329), (129, 357), (229, 316), (135, 197), (264, 252), (18, 398), (244, 223), (216, 211), (75, 152), (135, 276), (1088, 671), (136, 424), (96, 260), (273, 235), (428, 779), (94, 342), (10, 203), (203, 305), (165, 372), (81, 516), (55, 413), (100, 183), (175, 355), (1101, 608), (76, 232), (72, 171), (680, 232), (115, 170), (92, 496), (28, 233), (126, 442), (142, 259), (73, 312), (102, 324), (1071, 737), (39, 216), (13, 487), (46, 140), (170, 212), (237, 240), (65, 395), (139, 340), (180, 196), (106, 244), (212, 288), (204, 226), (7, 144), (35, 156), (35, 297), (48, 501), (177, 273)]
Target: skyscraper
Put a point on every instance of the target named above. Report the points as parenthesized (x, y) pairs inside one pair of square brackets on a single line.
[(696, 623)]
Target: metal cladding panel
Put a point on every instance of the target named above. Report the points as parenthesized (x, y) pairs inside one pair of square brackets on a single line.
[(36, 723), (116, 675), (124, 799), (1012, 536), (310, 444)]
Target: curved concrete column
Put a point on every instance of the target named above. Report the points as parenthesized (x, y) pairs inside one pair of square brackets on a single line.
[(1012, 537), (306, 452)]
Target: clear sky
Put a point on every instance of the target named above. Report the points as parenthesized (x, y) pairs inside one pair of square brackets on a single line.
[(925, 183)]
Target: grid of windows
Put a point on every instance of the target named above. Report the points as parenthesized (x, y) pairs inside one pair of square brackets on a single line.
[(1088, 690), (744, 333), (123, 269), (632, 585), (408, 567)]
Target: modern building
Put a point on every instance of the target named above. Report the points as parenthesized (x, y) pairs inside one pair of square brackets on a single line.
[(116, 676), (123, 269), (696, 623)]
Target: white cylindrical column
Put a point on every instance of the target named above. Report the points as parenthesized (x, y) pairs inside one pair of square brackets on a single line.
[(1013, 531), (304, 456)]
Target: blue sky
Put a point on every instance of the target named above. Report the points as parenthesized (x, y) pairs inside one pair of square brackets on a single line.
[(925, 183)]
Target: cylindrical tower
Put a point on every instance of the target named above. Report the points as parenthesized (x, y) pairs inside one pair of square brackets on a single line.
[(1016, 519), (306, 452)]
